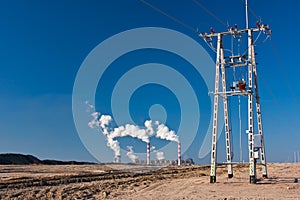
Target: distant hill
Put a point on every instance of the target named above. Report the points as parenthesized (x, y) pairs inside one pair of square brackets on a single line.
[(20, 159)]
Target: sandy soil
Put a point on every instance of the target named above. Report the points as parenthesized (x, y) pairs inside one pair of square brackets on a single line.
[(137, 182)]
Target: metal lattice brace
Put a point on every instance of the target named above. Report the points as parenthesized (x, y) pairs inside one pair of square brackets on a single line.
[(227, 127), (259, 116)]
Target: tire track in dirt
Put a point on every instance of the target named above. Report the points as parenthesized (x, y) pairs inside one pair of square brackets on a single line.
[(89, 186)]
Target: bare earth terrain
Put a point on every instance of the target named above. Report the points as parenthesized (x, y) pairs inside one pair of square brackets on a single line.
[(137, 182)]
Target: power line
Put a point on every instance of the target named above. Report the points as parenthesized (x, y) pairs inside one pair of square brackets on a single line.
[(209, 12), (169, 16), (267, 86), (283, 73), (253, 13)]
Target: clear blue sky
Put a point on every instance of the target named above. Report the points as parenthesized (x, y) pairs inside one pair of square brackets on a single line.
[(43, 44)]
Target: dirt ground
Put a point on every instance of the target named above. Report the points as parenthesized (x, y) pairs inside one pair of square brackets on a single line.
[(140, 182)]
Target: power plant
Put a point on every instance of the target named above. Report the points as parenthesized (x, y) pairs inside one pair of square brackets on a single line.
[(148, 160), (161, 131)]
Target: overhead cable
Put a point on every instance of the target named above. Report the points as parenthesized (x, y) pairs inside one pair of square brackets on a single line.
[(209, 12), (169, 16)]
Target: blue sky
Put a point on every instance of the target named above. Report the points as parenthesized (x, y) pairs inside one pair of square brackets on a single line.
[(43, 44)]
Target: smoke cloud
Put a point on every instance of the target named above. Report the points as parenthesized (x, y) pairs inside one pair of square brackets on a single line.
[(90, 106), (130, 130), (160, 155), (104, 123), (131, 154), (94, 122), (163, 132)]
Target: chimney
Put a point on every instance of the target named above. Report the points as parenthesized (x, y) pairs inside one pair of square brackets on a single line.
[(148, 153), (179, 153)]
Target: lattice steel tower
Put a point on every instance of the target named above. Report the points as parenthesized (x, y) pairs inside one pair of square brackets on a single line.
[(244, 87)]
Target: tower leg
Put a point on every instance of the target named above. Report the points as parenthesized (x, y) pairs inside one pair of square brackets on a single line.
[(253, 177), (215, 117), (252, 164), (259, 116), (214, 142)]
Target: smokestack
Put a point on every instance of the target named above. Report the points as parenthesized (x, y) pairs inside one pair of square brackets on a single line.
[(148, 153), (179, 153)]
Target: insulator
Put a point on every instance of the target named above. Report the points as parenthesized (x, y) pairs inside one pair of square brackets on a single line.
[(258, 24), (235, 27)]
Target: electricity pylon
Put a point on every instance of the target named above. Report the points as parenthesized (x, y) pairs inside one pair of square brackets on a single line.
[(247, 88)]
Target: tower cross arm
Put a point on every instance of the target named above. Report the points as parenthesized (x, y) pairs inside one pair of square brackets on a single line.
[(234, 31)]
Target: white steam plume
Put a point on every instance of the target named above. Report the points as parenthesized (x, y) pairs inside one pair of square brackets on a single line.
[(131, 154), (94, 122), (130, 130), (104, 122), (160, 155), (152, 149), (161, 130), (115, 146), (90, 106), (150, 127)]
